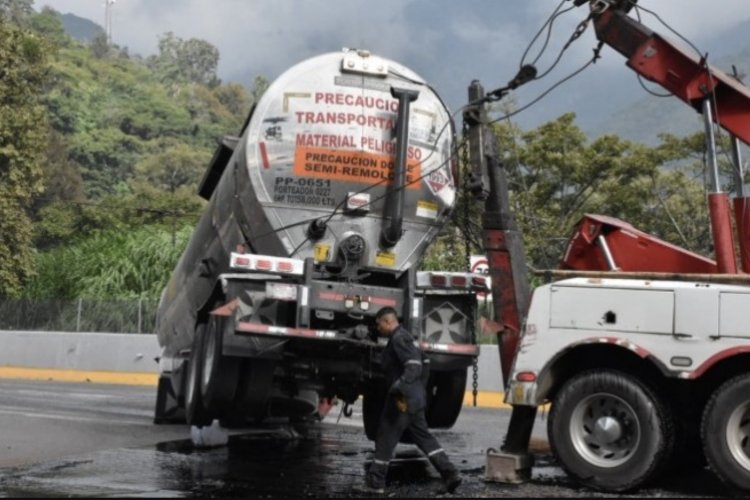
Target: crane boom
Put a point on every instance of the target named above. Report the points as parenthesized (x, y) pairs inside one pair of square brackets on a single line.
[(721, 98), (685, 75)]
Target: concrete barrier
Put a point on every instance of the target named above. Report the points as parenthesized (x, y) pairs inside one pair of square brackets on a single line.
[(490, 377), (115, 352), (57, 355)]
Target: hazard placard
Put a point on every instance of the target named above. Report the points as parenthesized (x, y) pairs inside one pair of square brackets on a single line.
[(478, 264)]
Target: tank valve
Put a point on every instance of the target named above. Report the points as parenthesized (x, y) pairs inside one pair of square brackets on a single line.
[(316, 229), (352, 248)]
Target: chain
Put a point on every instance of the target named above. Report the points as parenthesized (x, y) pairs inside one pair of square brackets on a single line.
[(467, 250), (581, 28)]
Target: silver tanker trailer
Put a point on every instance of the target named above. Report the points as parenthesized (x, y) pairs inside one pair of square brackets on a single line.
[(319, 214)]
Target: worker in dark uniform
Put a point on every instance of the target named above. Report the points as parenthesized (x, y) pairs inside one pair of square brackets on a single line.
[(404, 406)]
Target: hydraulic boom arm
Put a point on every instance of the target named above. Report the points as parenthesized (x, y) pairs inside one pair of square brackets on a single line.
[(721, 98), (685, 75)]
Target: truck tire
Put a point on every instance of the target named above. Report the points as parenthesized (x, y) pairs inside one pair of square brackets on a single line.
[(688, 450), (725, 430), (445, 397), (609, 431), (373, 400), (253, 390), (219, 373), (195, 412)]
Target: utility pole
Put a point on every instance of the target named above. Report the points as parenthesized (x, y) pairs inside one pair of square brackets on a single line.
[(108, 20)]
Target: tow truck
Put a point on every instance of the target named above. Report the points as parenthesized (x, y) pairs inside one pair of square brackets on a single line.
[(642, 348)]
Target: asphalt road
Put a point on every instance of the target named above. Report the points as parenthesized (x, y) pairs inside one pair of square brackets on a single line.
[(63, 439)]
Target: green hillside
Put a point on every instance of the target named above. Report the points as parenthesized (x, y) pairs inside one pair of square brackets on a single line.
[(79, 28), (114, 144)]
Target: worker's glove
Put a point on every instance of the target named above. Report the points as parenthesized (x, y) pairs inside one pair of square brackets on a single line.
[(395, 389), (401, 403)]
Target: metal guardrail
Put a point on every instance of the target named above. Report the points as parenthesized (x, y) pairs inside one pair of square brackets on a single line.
[(82, 315)]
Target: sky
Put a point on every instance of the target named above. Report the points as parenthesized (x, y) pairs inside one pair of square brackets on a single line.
[(447, 42)]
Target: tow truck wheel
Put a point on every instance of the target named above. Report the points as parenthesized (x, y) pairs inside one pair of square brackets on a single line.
[(195, 411), (219, 373), (609, 431), (445, 393), (725, 432)]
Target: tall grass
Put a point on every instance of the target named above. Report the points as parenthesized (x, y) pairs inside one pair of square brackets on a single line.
[(125, 264)]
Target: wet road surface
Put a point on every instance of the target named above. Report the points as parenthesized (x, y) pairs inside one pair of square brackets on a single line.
[(128, 456)]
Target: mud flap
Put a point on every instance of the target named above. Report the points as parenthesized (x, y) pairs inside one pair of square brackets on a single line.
[(168, 409)]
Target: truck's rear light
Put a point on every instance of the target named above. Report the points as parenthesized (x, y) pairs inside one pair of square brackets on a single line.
[(284, 267), (526, 376), (438, 280), (263, 265), (242, 261), (267, 264), (459, 281)]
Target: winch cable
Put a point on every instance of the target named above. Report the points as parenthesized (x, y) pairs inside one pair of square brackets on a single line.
[(548, 23)]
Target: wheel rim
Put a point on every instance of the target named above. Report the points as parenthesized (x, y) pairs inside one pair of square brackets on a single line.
[(738, 432), (604, 430)]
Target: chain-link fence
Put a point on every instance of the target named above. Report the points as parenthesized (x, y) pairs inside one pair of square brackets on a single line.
[(121, 316)]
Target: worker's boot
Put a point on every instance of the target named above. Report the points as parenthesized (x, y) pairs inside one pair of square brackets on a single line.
[(375, 477), (448, 471)]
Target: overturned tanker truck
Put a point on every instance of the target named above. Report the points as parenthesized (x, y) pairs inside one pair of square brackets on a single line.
[(318, 215)]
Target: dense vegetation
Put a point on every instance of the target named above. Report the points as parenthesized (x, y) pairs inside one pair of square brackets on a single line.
[(556, 175), (101, 151), (100, 155)]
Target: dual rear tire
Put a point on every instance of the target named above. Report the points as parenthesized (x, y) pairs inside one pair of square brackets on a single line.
[(612, 432), (211, 379)]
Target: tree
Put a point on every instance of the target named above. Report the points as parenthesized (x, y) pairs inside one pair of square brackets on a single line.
[(48, 24), (176, 166), (99, 46), (22, 135), (16, 11), (260, 85), (192, 60), (235, 98), (556, 175), (56, 211)]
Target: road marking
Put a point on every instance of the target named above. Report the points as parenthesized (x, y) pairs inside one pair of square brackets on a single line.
[(33, 413), (485, 399), (96, 377)]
